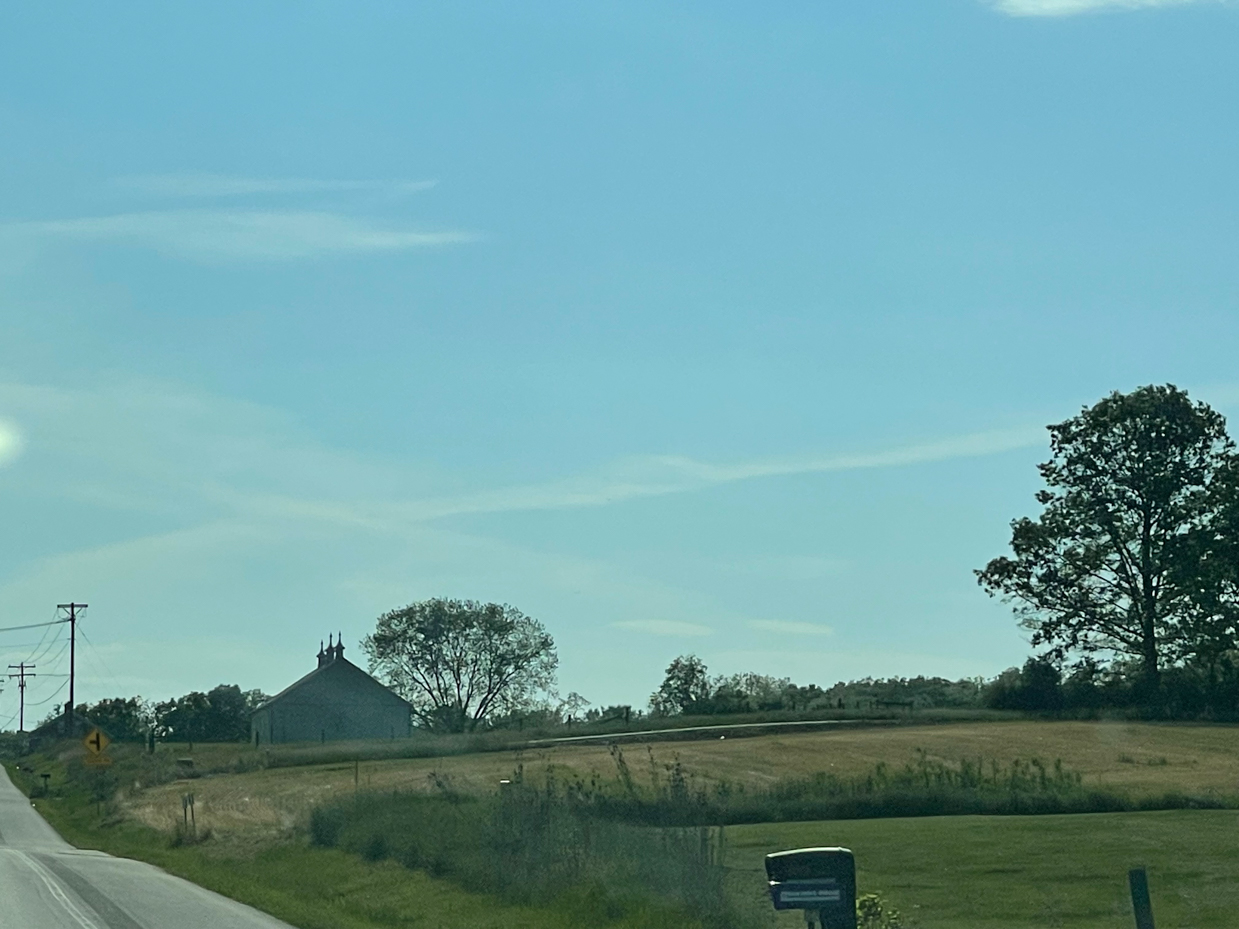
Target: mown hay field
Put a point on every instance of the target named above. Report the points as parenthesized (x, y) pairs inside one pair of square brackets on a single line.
[(1140, 757)]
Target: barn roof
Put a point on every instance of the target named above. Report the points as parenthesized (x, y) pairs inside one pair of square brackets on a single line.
[(339, 664)]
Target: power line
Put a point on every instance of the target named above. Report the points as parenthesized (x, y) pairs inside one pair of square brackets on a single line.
[(49, 663), (51, 636), (14, 646), (46, 633), (55, 658), (54, 622), (54, 693), (95, 655)]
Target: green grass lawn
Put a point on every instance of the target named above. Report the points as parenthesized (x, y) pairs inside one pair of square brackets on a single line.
[(1008, 872)]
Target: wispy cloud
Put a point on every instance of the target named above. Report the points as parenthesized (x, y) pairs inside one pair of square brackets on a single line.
[(655, 475), (258, 529), (1075, 7), (237, 467), (787, 627), (196, 184), (665, 627), (10, 442), (629, 479), (231, 235)]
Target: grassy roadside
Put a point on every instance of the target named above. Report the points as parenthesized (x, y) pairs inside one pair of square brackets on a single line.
[(968, 872), (311, 888), (961, 872)]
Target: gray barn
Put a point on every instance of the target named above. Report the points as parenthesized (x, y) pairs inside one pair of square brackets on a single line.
[(337, 700)]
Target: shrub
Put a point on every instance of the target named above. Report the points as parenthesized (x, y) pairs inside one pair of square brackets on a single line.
[(872, 912), (325, 825)]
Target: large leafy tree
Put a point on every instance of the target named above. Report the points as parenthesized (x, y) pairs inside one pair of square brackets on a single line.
[(125, 719), (685, 688), (459, 662), (1113, 562), (1210, 578), (220, 715)]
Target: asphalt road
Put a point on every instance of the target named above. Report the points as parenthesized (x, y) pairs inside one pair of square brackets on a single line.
[(45, 883)]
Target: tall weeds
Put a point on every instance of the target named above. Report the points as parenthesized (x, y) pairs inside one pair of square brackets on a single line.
[(542, 843), (614, 848), (924, 786)]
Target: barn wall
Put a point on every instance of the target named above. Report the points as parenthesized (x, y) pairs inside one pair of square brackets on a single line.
[(341, 702), (260, 727)]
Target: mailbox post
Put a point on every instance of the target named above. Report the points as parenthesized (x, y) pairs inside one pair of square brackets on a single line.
[(820, 881)]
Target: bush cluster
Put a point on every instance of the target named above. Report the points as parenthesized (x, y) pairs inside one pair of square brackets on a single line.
[(1189, 691)]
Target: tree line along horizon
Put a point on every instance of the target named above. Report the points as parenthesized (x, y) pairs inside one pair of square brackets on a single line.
[(1128, 582)]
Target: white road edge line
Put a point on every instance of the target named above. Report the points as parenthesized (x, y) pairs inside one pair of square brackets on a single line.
[(52, 885)]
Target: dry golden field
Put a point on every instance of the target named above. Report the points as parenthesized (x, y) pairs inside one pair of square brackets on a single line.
[(1143, 757)]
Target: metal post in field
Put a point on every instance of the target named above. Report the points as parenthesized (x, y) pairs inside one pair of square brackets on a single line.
[(1138, 879)]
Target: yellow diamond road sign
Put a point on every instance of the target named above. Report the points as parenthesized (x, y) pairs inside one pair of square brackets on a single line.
[(96, 742)]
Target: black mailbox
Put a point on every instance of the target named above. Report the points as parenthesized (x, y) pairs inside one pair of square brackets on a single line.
[(816, 880)]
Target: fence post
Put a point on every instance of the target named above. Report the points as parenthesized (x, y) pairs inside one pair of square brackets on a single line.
[(1138, 879)]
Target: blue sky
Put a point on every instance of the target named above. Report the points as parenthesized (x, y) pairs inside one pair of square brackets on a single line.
[(699, 327)]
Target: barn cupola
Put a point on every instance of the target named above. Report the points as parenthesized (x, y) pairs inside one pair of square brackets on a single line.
[(339, 646), (322, 655)]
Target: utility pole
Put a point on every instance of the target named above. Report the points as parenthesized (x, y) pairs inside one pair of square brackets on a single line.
[(23, 671), (73, 609)]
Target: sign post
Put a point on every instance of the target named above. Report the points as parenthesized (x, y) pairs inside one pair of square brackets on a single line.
[(187, 810), (1138, 880)]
